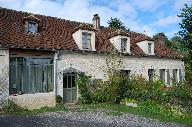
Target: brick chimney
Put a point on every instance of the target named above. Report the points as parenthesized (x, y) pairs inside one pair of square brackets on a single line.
[(96, 21), (161, 38)]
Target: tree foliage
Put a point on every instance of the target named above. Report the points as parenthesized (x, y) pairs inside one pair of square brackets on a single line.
[(186, 31), (116, 23)]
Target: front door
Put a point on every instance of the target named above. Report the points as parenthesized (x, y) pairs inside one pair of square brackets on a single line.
[(69, 88)]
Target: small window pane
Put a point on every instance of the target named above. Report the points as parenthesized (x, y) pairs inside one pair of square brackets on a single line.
[(64, 81), (180, 76), (73, 81), (149, 48), (151, 75), (175, 79), (162, 75), (123, 44), (126, 73), (86, 40), (168, 77), (69, 81), (32, 27)]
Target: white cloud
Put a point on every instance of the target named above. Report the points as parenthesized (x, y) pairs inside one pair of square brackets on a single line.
[(179, 4), (148, 5), (173, 19)]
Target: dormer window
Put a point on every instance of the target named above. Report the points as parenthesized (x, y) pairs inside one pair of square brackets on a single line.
[(86, 41), (32, 27), (124, 44), (149, 48)]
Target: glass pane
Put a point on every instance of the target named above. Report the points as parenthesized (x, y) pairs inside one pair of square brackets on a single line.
[(31, 75), (44, 78), (162, 75), (32, 78), (19, 76), (50, 77), (12, 87), (25, 77), (149, 48), (168, 77), (69, 81), (180, 75), (64, 81), (73, 81), (31, 27), (38, 78)]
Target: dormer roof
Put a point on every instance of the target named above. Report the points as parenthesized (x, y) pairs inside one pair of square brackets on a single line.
[(118, 32)]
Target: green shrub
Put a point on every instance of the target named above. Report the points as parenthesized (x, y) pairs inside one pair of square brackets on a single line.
[(59, 99), (137, 86), (116, 88), (9, 107), (100, 91), (85, 89)]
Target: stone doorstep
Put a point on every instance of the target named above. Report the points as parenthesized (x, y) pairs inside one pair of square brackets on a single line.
[(72, 105)]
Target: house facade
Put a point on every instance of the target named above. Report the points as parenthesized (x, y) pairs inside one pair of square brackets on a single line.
[(40, 57)]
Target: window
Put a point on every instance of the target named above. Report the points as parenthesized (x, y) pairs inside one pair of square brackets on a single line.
[(126, 73), (162, 75), (30, 75), (151, 75), (32, 27), (86, 41), (175, 76), (149, 48), (123, 44), (180, 76), (168, 77)]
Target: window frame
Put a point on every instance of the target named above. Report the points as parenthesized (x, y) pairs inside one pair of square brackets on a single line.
[(163, 74), (151, 73), (126, 73), (30, 78), (123, 45), (149, 48), (88, 41), (175, 76), (33, 24)]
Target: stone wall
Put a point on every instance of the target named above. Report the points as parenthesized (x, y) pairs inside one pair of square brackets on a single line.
[(94, 64), (4, 75), (34, 101)]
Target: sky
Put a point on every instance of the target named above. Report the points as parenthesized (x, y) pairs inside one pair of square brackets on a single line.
[(145, 16)]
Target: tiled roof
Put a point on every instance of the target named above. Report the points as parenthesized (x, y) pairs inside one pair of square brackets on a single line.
[(55, 33)]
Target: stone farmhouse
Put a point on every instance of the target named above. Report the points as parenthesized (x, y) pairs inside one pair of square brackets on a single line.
[(40, 56)]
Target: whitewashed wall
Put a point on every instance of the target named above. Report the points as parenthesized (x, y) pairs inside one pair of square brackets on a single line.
[(94, 64)]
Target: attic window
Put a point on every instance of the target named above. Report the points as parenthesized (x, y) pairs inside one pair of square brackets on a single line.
[(86, 41), (32, 27), (149, 48), (123, 44)]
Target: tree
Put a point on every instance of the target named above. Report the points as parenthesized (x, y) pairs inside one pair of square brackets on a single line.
[(186, 31), (177, 44), (116, 23), (161, 38)]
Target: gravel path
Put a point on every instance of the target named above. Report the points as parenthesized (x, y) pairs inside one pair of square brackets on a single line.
[(80, 119)]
